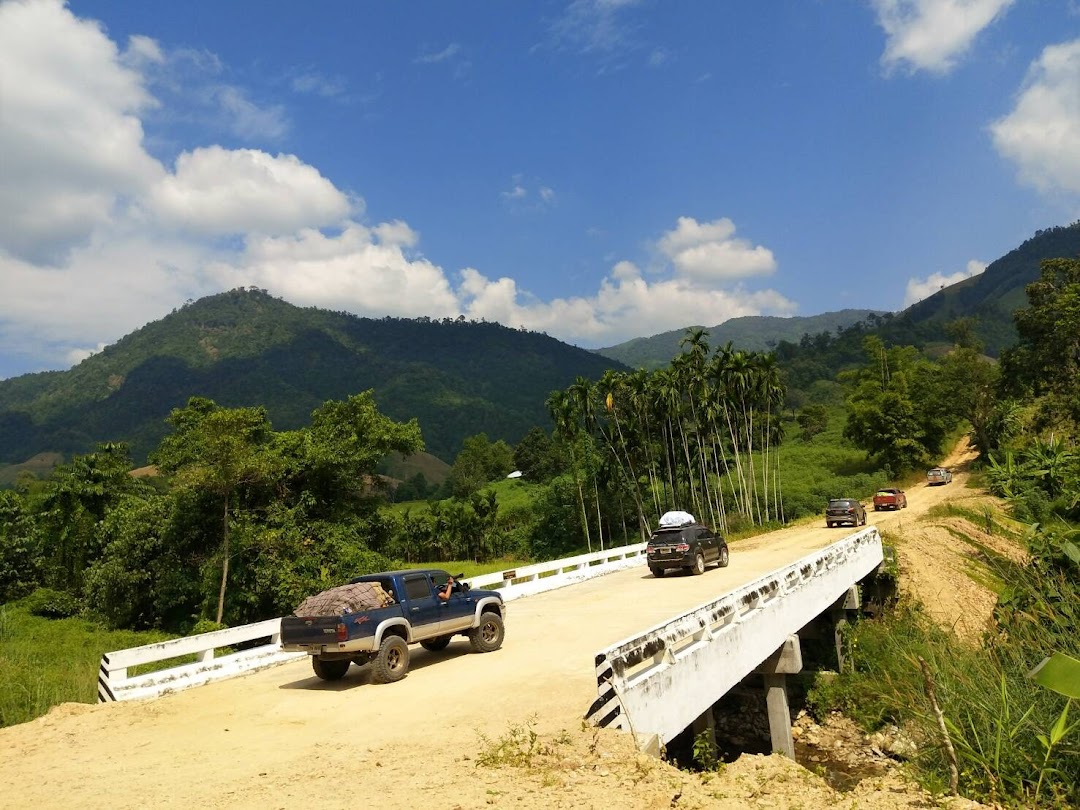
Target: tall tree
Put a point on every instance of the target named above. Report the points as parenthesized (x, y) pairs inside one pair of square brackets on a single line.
[(216, 451)]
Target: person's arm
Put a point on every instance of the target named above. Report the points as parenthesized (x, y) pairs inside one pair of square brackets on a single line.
[(444, 594)]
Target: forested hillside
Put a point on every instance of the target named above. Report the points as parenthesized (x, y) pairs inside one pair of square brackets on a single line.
[(749, 333), (244, 347)]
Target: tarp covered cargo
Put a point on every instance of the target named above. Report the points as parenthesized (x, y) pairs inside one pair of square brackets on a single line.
[(345, 599)]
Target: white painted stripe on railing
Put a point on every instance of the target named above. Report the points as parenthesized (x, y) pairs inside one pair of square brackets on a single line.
[(669, 675)]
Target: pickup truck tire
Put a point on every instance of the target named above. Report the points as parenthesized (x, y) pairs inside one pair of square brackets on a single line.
[(392, 662), (329, 670), (724, 558), (488, 636), (436, 644)]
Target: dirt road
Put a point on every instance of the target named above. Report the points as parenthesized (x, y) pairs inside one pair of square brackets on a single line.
[(281, 738)]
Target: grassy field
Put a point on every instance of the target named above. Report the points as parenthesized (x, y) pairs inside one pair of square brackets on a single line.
[(45, 662)]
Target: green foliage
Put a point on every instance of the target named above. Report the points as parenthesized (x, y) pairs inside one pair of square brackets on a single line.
[(750, 333), (50, 604), (538, 457), (1011, 740), (479, 462), (813, 419), (1047, 358), (519, 747), (45, 662), (897, 407), (244, 348)]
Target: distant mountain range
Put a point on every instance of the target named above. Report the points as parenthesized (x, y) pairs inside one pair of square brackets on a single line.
[(457, 378), (989, 298), (753, 333), (245, 347)]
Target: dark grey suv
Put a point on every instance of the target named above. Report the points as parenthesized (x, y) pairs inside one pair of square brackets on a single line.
[(690, 548), (845, 510)]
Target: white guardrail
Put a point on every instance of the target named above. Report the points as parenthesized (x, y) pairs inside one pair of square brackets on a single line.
[(658, 682), (114, 682)]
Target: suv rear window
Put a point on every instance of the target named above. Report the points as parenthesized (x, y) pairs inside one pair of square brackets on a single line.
[(841, 502)]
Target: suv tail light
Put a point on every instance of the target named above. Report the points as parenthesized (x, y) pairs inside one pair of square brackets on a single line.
[(682, 547)]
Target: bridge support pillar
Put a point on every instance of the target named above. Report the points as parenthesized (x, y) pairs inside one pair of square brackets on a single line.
[(849, 601), (787, 660)]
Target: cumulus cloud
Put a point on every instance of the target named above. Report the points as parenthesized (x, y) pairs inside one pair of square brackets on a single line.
[(226, 191), (709, 251), (97, 237), (932, 35), (1042, 133), (72, 137), (920, 288)]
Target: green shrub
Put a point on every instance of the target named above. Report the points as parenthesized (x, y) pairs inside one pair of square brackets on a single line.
[(50, 604)]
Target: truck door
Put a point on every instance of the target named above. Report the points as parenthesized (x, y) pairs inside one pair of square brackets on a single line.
[(457, 611), (424, 612)]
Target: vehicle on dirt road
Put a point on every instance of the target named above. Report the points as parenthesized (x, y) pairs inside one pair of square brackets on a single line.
[(682, 543), (938, 475), (845, 510), (889, 498), (374, 618)]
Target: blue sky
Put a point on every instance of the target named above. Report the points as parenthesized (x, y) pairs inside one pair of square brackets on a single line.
[(594, 169)]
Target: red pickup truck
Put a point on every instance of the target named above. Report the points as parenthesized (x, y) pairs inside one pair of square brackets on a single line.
[(889, 499)]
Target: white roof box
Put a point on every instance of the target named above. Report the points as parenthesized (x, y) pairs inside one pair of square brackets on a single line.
[(670, 520)]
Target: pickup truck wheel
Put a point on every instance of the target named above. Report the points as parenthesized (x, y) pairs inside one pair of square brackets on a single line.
[(724, 558), (488, 637), (657, 571), (436, 644), (392, 662), (699, 564), (330, 670)]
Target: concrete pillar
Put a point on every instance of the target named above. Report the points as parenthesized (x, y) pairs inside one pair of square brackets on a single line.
[(787, 660), (851, 600)]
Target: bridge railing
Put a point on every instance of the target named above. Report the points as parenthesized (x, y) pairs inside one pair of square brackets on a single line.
[(215, 661), (693, 659)]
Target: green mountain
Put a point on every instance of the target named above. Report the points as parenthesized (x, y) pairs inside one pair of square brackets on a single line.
[(752, 333), (244, 347), (992, 296), (989, 298)]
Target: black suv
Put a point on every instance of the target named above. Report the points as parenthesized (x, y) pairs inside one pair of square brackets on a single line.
[(845, 510), (689, 547)]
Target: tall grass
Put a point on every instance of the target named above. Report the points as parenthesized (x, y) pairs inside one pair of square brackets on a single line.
[(998, 719), (45, 662)]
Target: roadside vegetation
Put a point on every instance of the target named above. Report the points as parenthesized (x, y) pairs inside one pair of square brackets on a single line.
[(245, 521), (1005, 734)]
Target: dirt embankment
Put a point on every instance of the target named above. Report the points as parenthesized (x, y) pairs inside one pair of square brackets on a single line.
[(280, 739)]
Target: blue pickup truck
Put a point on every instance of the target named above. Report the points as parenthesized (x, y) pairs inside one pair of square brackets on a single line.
[(374, 618)]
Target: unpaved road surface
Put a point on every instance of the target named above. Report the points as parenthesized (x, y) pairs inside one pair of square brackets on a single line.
[(280, 738)]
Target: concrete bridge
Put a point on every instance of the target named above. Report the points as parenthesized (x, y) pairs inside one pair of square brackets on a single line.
[(684, 642)]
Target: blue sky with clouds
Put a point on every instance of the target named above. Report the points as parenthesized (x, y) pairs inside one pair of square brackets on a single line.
[(594, 169)]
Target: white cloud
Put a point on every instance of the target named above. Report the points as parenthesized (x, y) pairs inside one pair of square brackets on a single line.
[(932, 35), (920, 288), (709, 251), (446, 54), (248, 119), (1042, 133), (226, 191), (71, 138), (97, 238), (317, 84)]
